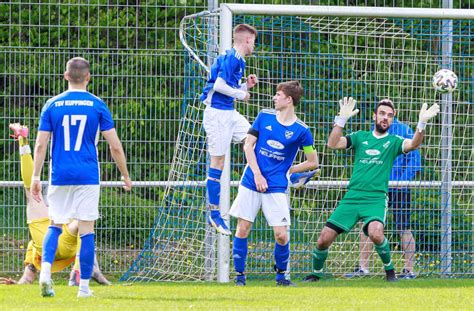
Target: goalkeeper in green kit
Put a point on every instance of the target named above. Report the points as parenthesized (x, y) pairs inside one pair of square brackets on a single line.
[(366, 199)]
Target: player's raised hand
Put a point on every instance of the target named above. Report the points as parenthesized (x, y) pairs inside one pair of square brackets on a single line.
[(428, 113), (260, 183), (251, 81), (347, 105), (128, 183)]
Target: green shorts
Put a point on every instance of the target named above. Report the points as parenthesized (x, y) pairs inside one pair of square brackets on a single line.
[(359, 206)]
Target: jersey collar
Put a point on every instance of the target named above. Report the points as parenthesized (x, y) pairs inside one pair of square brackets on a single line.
[(75, 90), (240, 55), (381, 136)]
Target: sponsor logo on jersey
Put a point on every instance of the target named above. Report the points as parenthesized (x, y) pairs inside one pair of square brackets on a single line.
[(275, 144), (375, 161), (372, 152), (271, 154), (269, 127), (386, 144), (365, 143), (288, 134)]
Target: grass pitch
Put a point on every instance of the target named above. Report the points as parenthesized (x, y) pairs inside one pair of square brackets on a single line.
[(362, 294)]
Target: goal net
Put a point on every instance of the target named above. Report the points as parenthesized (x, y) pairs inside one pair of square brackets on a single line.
[(332, 56)]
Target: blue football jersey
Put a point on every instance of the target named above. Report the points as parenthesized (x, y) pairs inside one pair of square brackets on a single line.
[(75, 118), (276, 149), (230, 67)]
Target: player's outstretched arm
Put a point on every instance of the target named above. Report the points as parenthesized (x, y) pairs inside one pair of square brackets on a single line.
[(346, 111), (260, 181), (302, 173), (311, 163), (27, 278), (425, 115), (119, 156), (40, 154)]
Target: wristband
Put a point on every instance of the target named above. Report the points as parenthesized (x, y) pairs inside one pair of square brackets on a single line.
[(421, 126), (340, 121), (35, 178)]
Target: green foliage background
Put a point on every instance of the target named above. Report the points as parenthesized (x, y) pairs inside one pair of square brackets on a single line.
[(140, 69)]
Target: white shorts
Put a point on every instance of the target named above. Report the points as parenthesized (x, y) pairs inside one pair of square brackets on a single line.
[(275, 206), (73, 202), (222, 128)]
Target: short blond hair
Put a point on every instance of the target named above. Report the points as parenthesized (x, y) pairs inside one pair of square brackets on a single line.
[(245, 28), (77, 69)]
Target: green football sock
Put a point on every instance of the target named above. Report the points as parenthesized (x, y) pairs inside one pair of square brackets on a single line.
[(319, 257), (384, 252)]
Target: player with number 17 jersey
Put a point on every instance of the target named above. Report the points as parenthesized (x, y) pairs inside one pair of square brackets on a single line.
[(76, 118)]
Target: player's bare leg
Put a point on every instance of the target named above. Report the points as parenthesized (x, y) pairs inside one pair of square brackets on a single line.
[(408, 248), (97, 274)]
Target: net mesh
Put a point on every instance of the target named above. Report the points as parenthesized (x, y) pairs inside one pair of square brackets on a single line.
[(368, 59)]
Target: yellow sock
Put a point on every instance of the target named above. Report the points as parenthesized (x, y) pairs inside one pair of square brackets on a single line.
[(77, 267), (26, 162)]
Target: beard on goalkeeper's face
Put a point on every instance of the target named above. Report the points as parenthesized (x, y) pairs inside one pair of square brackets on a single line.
[(382, 126)]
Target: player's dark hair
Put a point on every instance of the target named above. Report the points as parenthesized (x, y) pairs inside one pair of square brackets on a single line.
[(77, 69), (292, 89), (385, 102), (245, 28)]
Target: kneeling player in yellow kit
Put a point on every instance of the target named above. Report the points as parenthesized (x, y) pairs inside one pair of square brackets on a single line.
[(38, 223)]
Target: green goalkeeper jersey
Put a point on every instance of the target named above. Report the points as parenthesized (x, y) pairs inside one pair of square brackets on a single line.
[(374, 157)]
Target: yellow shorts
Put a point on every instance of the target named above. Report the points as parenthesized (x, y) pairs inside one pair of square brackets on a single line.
[(67, 246)]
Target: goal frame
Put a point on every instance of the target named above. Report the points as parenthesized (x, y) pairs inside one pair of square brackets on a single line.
[(227, 11)]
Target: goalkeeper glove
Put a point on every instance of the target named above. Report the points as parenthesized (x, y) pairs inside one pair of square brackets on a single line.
[(426, 114), (346, 111), (298, 180)]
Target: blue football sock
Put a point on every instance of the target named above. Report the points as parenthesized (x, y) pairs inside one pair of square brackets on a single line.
[(215, 214), (239, 253), (282, 256), (214, 186), (86, 255), (50, 244)]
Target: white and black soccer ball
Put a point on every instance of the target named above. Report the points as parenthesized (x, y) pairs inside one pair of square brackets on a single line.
[(445, 81)]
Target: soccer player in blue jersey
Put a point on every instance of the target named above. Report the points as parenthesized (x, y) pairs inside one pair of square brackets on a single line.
[(222, 122), (270, 148), (405, 168), (73, 120)]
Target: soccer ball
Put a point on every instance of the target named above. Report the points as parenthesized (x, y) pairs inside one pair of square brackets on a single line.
[(445, 81)]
